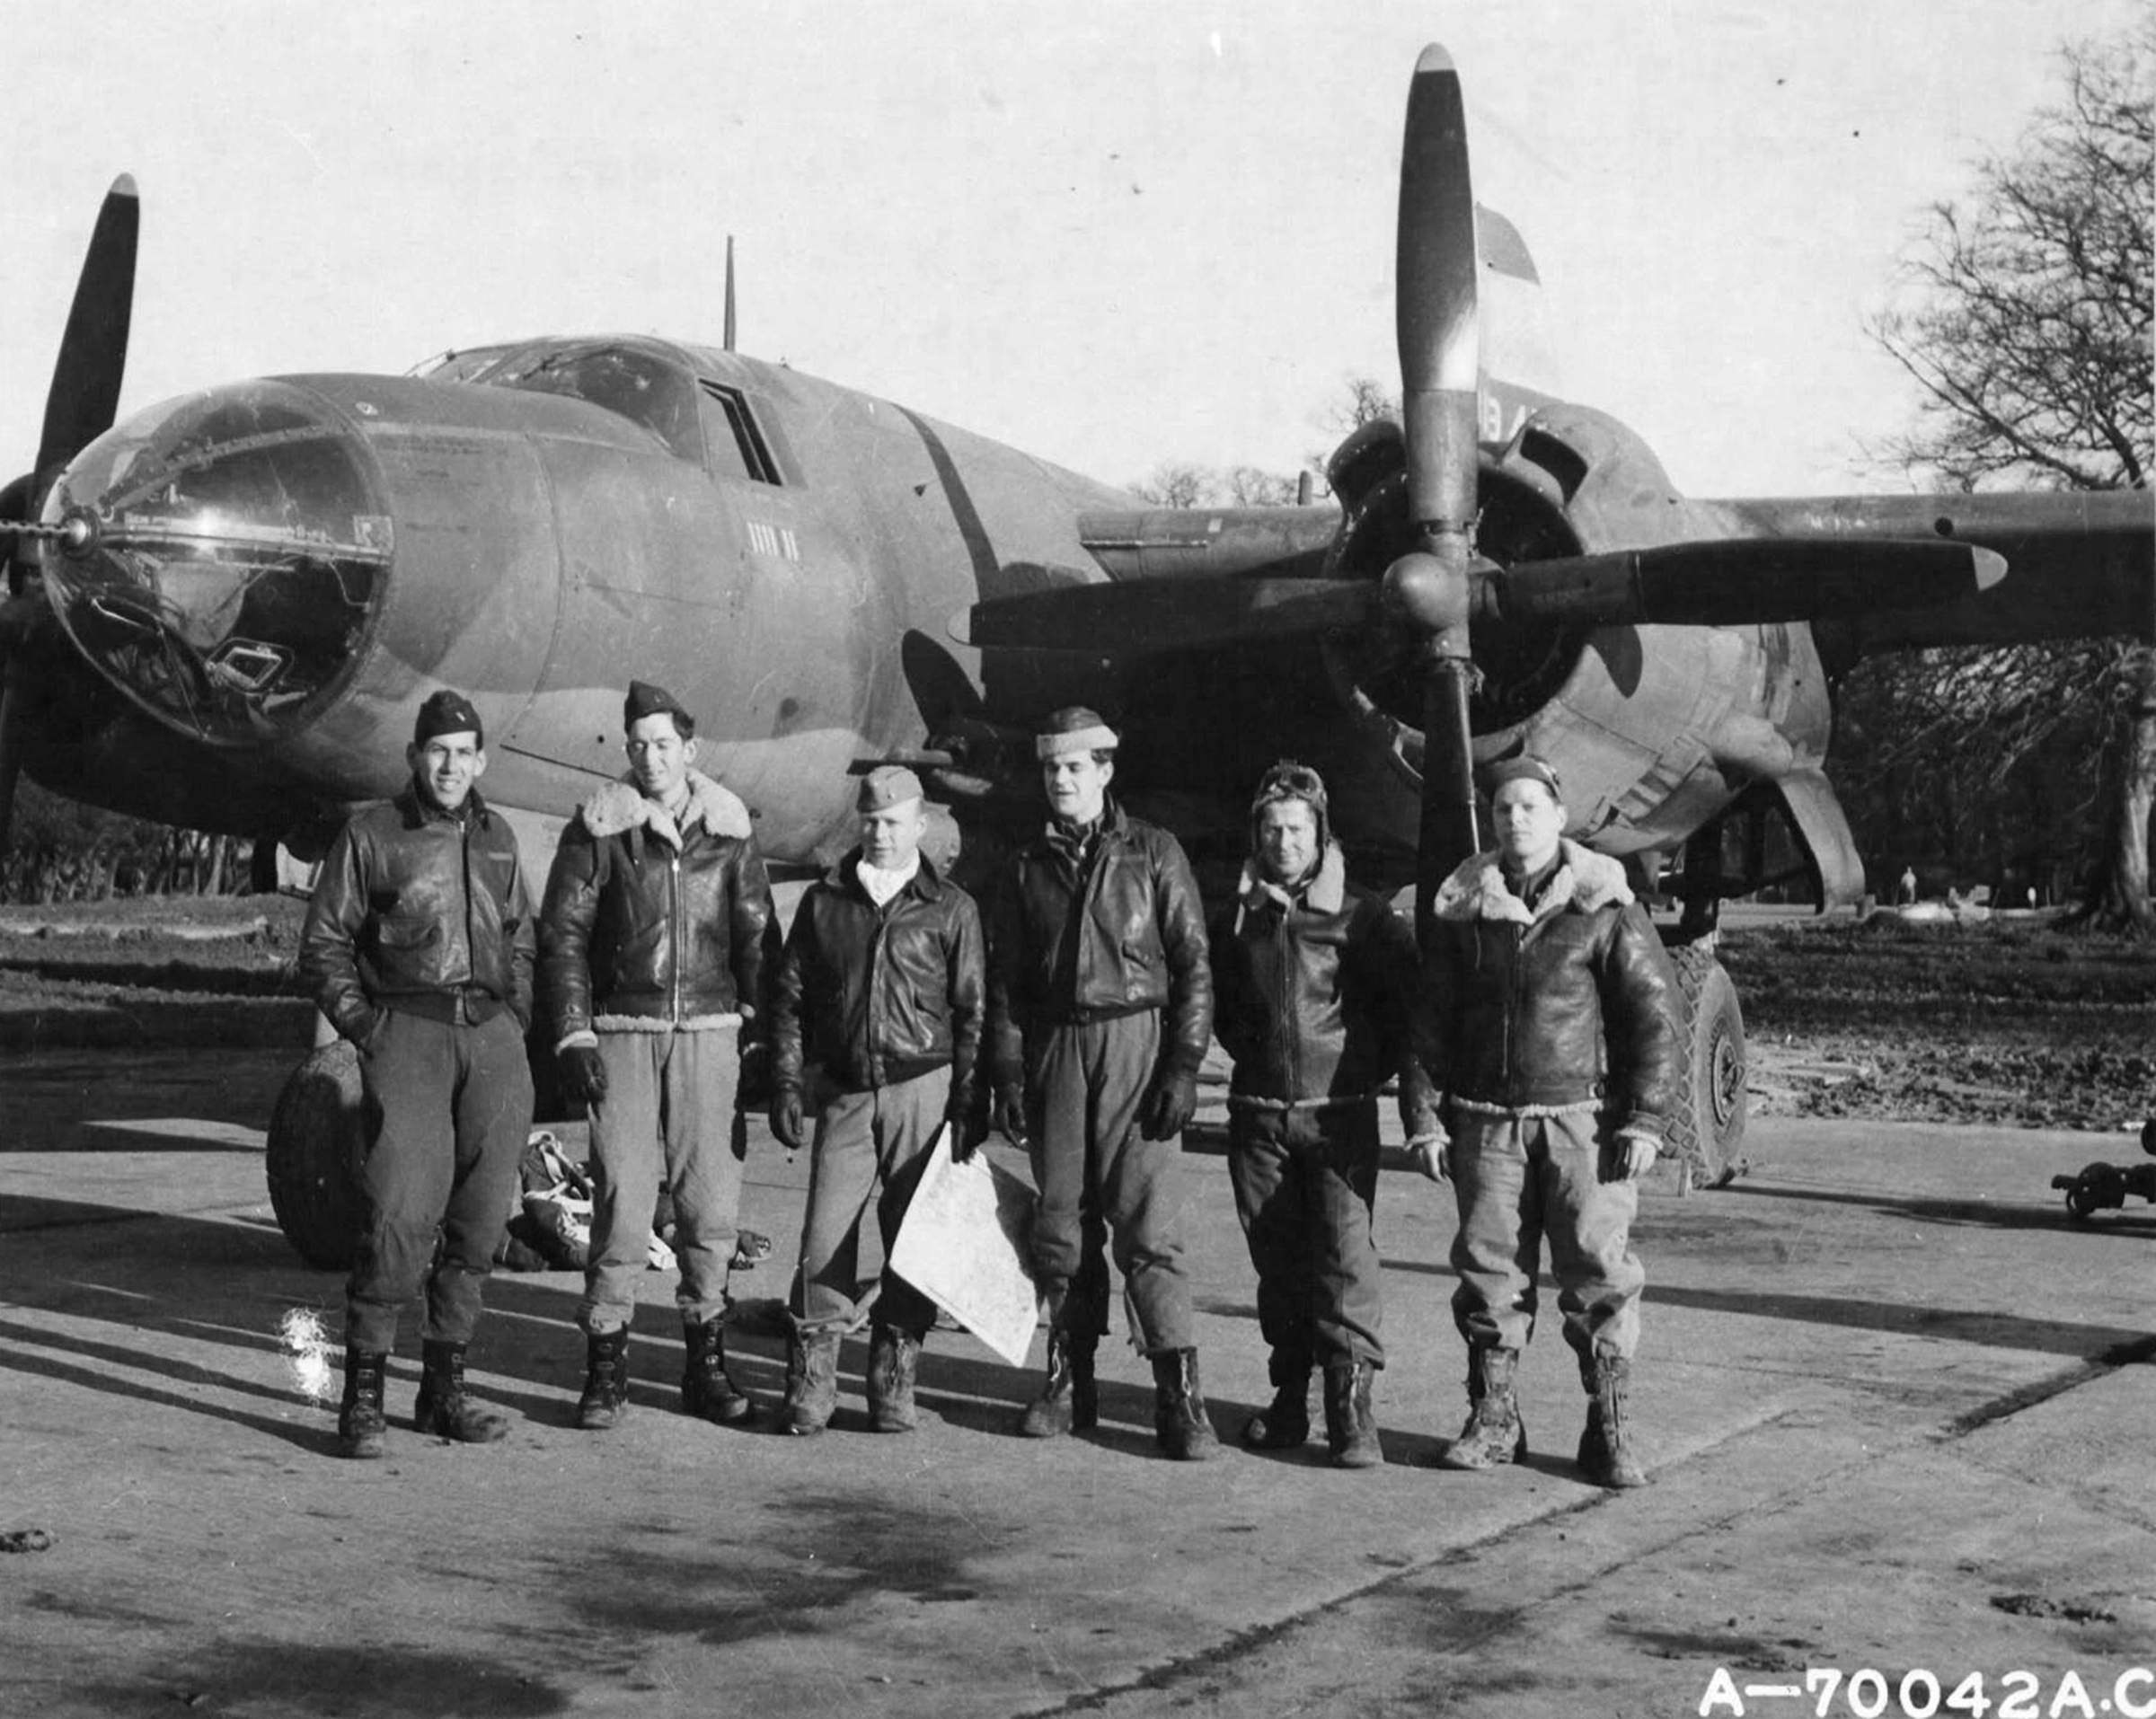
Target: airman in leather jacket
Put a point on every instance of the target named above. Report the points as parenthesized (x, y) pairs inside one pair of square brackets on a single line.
[(646, 922), (420, 910), (1074, 944), (877, 996), (1522, 1003)]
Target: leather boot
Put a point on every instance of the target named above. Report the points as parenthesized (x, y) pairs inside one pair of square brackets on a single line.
[(811, 1383), (892, 1356), (605, 1399), (1284, 1423), (444, 1408), (1350, 1422), (1606, 1456), (1070, 1399), (362, 1428), (705, 1389), (1493, 1432), (1179, 1408)]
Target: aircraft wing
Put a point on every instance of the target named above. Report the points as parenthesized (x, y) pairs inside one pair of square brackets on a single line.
[(2079, 564)]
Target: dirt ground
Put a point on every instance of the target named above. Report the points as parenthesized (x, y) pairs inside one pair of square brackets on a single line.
[(2008, 1023)]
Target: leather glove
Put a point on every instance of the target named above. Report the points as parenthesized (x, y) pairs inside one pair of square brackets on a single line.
[(967, 1134), (583, 1075), (754, 1090), (1009, 1112), (1170, 1105), (788, 1120)]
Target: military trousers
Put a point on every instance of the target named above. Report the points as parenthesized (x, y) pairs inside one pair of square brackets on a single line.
[(1305, 1184), (1520, 1178), (448, 1108), (667, 1119), (1099, 1175), (863, 1139)]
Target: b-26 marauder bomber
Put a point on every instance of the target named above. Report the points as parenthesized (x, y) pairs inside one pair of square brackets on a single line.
[(223, 609)]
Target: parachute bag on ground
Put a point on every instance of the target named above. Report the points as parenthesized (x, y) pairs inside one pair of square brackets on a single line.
[(317, 1132)]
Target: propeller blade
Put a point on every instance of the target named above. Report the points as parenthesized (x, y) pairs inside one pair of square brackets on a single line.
[(1741, 582), (1149, 617), (1440, 364), (1450, 830), (79, 406), (1433, 298)]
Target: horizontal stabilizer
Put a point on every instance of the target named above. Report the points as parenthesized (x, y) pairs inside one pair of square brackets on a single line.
[(1147, 617), (1740, 582)]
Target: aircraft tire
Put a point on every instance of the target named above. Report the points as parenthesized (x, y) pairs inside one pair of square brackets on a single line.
[(1709, 1124), (316, 1133)]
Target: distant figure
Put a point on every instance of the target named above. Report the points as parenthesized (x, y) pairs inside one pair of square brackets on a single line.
[(1905, 892), (418, 949)]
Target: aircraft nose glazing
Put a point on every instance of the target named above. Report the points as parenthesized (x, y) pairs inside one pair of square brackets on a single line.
[(239, 546)]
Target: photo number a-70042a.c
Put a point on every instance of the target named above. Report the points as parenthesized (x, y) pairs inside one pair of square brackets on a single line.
[(2125, 1693)]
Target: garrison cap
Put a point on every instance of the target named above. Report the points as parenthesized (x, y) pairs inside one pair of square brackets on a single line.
[(1525, 767), (446, 712), (1073, 728), (886, 786), (646, 700)]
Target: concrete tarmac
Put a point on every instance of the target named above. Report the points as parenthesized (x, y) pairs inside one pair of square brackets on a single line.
[(1897, 1408)]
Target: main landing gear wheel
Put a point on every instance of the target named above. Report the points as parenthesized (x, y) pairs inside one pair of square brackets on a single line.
[(316, 1135), (1709, 1124)]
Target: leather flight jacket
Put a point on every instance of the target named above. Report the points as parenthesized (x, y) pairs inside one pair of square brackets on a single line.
[(420, 911), (877, 995), (1313, 987), (1565, 1005), (652, 923), (1091, 932)]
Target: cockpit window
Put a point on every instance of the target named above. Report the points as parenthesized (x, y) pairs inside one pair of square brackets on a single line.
[(642, 386), (470, 365), (738, 449)]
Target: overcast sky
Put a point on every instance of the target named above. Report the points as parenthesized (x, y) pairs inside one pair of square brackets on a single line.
[(1114, 234)]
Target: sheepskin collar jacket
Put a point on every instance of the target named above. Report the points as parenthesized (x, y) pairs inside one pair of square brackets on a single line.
[(1565, 1005), (655, 923), (1312, 991)]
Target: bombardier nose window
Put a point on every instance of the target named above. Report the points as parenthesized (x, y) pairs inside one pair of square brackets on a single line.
[(241, 542)]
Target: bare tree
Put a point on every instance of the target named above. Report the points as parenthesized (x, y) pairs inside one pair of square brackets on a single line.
[(1179, 485), (1250, 487), (2025, 323), (1183, 485)]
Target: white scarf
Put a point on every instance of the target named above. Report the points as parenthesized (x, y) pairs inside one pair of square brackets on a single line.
[(883, 885)]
